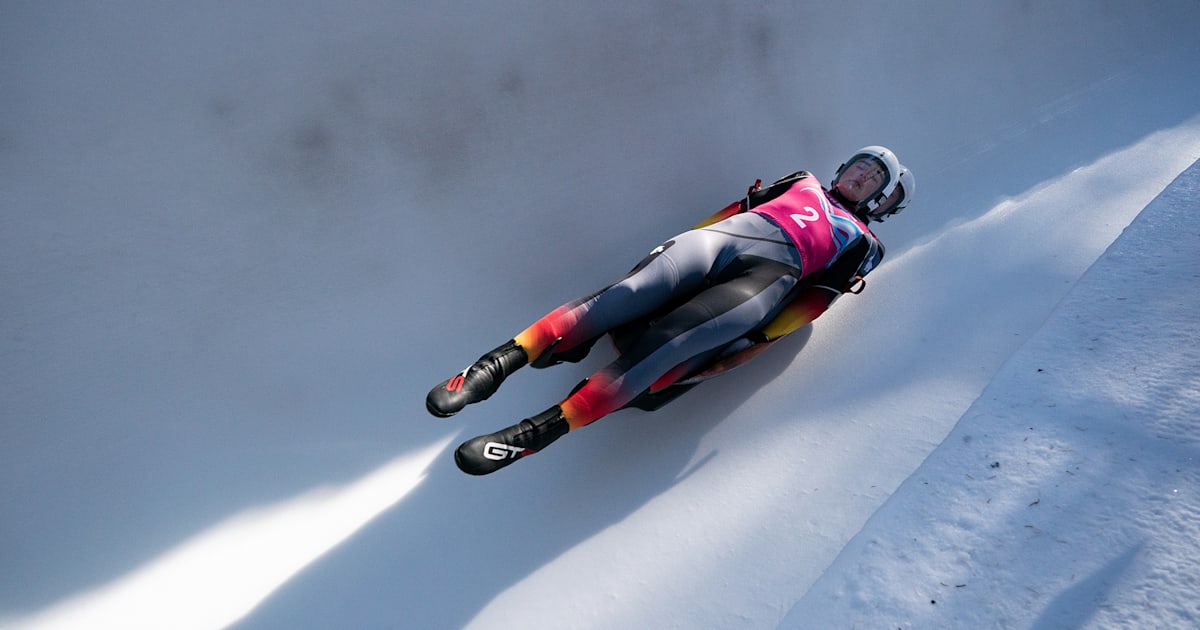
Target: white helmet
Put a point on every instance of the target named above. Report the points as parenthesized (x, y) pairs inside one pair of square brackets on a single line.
[(906, 185), (891, 175)]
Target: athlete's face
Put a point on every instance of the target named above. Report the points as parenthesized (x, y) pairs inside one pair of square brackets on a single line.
[(861, 179)]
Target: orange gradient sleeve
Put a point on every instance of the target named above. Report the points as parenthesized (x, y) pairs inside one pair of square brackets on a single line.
[(721, 215)]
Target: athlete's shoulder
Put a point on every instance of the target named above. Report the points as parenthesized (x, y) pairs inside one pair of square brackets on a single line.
[(789, 180), (792, 177), (788, 185)]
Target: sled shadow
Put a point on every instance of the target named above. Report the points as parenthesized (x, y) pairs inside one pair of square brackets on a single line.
[(457, 542)]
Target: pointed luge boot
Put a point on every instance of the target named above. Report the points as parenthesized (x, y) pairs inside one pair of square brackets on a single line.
[(489, 453), (477, 382)]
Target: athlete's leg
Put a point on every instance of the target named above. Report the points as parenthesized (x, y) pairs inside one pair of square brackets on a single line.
[(751, 291), (748, 279), (714, 317), (675, 269)]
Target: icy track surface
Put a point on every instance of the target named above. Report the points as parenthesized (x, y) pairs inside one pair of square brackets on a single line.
[(239, 243), (1072, 486)]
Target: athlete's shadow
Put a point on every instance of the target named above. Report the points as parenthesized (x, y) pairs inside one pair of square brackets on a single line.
[(660, 445), (457, 542)]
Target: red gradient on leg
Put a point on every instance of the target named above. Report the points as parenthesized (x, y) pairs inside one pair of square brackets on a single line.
[(597, 398), (538, 337)]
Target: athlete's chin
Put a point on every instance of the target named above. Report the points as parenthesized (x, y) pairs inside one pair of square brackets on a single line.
[(851, 192)]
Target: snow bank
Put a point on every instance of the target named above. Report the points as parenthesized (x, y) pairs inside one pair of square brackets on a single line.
[(1069, 494)]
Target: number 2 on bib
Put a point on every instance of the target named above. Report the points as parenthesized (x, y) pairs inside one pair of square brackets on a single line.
[(810, 214)]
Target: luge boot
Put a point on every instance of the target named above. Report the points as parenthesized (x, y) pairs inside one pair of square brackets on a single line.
[(489, 453), (477, 382)]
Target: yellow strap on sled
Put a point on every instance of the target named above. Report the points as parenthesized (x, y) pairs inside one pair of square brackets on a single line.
[(801, 311)]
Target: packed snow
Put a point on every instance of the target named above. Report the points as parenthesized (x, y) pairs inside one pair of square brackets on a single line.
[(240, 242)]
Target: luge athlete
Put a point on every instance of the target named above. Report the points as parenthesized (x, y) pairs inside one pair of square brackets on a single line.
[(750, 273)]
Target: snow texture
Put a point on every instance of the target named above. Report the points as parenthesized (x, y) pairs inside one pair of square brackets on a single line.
[(1068, 495)]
